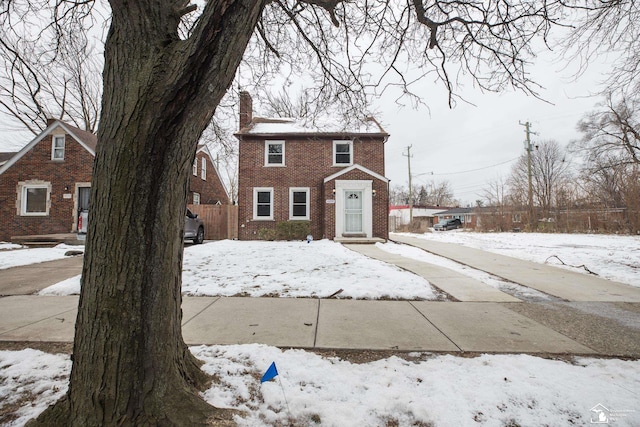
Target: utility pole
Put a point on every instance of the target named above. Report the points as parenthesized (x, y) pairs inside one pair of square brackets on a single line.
[(408, 155), (529, 148)]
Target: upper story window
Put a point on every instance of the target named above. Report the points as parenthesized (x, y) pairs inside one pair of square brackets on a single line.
[(342, 153), (57, 148), (203, 172), (274, 153), (195, 167), (196, 198), (263, 203)]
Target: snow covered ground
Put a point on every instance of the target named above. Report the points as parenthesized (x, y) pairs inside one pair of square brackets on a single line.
[(294, 269), (4, 246), (298, 269), (12, 255), (610, 256), (420, 389), (286, 269)]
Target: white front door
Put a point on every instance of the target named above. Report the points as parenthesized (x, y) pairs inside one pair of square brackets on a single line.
[(354, 208), (353, 211), (81, 207)]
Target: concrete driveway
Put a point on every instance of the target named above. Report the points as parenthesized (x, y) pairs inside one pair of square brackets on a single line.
[(29, 279)]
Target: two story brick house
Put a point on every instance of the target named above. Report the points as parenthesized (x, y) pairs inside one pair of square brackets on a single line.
[(332, 178), (45, 187)]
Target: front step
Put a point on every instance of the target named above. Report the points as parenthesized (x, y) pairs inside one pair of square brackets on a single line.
[(47, 240)]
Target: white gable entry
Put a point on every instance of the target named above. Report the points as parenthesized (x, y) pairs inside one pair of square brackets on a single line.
[(354, 209), (354, 204)]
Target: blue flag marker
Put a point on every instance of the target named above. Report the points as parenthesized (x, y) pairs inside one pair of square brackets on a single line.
[(271, 373)]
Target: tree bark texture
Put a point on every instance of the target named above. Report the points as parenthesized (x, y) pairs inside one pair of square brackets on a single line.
[(130, 363)]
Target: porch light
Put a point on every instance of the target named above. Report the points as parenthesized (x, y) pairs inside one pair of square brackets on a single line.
[(333, 191), (374, 193)]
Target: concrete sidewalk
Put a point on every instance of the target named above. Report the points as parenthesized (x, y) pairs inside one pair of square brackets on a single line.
[(320, 324), (559, 282)]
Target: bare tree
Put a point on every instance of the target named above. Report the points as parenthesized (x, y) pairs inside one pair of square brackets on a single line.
[(552, 169), (60, 79), (398, 195), (441, 194), (612, 132), (430, 194), (496, 207), (604, 180), (610, 28), (631, 193), (548, 171), (166, 69)]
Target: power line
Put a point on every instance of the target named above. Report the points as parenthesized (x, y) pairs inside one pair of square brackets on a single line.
[(478, 169)]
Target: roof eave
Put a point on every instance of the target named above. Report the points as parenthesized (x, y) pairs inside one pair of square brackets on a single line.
[(311, 134)]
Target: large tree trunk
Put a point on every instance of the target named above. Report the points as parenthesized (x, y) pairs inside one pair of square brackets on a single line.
[(130, 363)]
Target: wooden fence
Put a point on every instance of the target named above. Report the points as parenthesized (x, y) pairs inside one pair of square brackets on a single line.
[(220, 221)]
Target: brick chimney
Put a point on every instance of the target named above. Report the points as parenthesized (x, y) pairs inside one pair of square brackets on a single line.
[(50, 121), (246, 109)]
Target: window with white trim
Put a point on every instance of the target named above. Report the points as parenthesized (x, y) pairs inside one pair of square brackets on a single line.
[(195, 167), (274, 153), (57, 147), (342, 153), (196, 198), (203, 172), (263, 203), (299, 203), (34, 198)]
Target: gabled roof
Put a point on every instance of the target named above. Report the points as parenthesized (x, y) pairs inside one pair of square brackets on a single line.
[(86, 139), (261, 126), (354, 167), (202, 148)]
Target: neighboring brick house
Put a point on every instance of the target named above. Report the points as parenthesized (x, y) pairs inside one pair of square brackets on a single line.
[(205, 185), (45, 187), (333, 179)]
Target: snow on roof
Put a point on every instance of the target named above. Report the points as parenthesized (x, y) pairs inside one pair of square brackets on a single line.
[(273, 126)]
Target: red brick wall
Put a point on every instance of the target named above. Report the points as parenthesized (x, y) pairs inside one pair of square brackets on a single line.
[(211, 190), (307, 163), (36, 164)]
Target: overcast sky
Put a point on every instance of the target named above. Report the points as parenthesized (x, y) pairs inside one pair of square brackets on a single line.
[(473, 146)]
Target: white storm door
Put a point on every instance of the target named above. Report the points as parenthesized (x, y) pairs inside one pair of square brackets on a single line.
[(353, 211)]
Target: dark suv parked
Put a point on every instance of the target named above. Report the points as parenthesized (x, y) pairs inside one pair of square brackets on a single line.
[(193, 228), (448, 224)]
